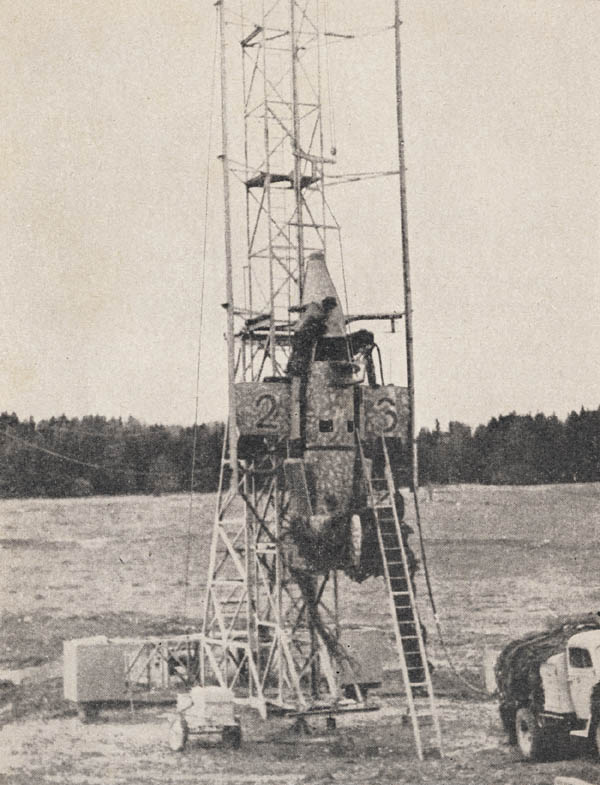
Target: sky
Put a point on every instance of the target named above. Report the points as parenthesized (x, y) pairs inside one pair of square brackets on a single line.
[(106, 119)]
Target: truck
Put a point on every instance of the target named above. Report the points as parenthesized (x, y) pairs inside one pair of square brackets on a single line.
[(549, 689)]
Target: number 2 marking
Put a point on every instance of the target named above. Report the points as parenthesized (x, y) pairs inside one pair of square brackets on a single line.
[(387, 407), (267, 408)]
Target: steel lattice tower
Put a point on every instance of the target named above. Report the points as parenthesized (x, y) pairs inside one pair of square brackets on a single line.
[(307, 455), (255, 613)]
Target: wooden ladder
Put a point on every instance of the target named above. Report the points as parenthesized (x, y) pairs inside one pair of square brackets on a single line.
[(408, 632)]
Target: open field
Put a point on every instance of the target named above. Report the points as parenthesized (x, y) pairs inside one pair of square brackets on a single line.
[(502, 561)]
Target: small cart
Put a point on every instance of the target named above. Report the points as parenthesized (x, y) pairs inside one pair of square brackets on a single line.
[(205, 711)]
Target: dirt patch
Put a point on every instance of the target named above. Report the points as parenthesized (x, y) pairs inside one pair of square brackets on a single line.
[(502, 561), (125, 748)]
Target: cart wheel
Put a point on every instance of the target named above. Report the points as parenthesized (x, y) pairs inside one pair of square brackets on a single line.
[(232, 736), (178, 733)]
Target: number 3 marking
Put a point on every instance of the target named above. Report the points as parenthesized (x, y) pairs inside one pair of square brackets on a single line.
[(267, 408), (387, 407)]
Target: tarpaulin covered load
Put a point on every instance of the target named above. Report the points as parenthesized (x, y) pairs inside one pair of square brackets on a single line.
[(518, 666)]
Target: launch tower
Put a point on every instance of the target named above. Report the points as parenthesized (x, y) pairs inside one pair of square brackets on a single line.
[(316, 442)]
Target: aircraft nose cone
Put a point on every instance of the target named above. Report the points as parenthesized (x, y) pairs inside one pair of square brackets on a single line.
[(317, 286)]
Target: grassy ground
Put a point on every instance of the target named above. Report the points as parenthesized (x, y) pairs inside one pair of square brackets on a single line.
[(502, 561)]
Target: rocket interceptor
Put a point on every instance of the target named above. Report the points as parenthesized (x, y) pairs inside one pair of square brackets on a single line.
[(325, 418)]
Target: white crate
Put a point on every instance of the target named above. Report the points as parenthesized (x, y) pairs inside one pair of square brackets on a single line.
[(94, 670)]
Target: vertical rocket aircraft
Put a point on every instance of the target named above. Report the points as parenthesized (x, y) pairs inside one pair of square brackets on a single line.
[(325, 417)]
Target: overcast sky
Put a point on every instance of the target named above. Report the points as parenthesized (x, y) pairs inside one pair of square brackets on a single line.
[(105, 117)]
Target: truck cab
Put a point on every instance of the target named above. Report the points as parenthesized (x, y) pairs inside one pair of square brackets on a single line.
[(569, 678), (583, 662), (570, 682)]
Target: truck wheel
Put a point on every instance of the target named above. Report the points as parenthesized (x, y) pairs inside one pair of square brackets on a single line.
[(531, 739), (178, 734)]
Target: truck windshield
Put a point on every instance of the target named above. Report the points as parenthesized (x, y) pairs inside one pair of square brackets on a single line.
[(580, 658)]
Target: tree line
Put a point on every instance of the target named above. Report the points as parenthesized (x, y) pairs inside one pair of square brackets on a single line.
[(514, 449), (95, 455)]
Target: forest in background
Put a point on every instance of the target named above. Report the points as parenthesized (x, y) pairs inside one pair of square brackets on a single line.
[(94, 455)]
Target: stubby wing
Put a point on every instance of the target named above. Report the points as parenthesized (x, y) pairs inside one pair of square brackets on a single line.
[(384, 411), (263, 408)]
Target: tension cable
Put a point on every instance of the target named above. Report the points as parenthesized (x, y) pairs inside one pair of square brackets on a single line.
[(200, 327)]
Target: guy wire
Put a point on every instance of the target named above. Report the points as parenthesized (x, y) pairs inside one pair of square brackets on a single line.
[(458, 676), (200, 327)]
